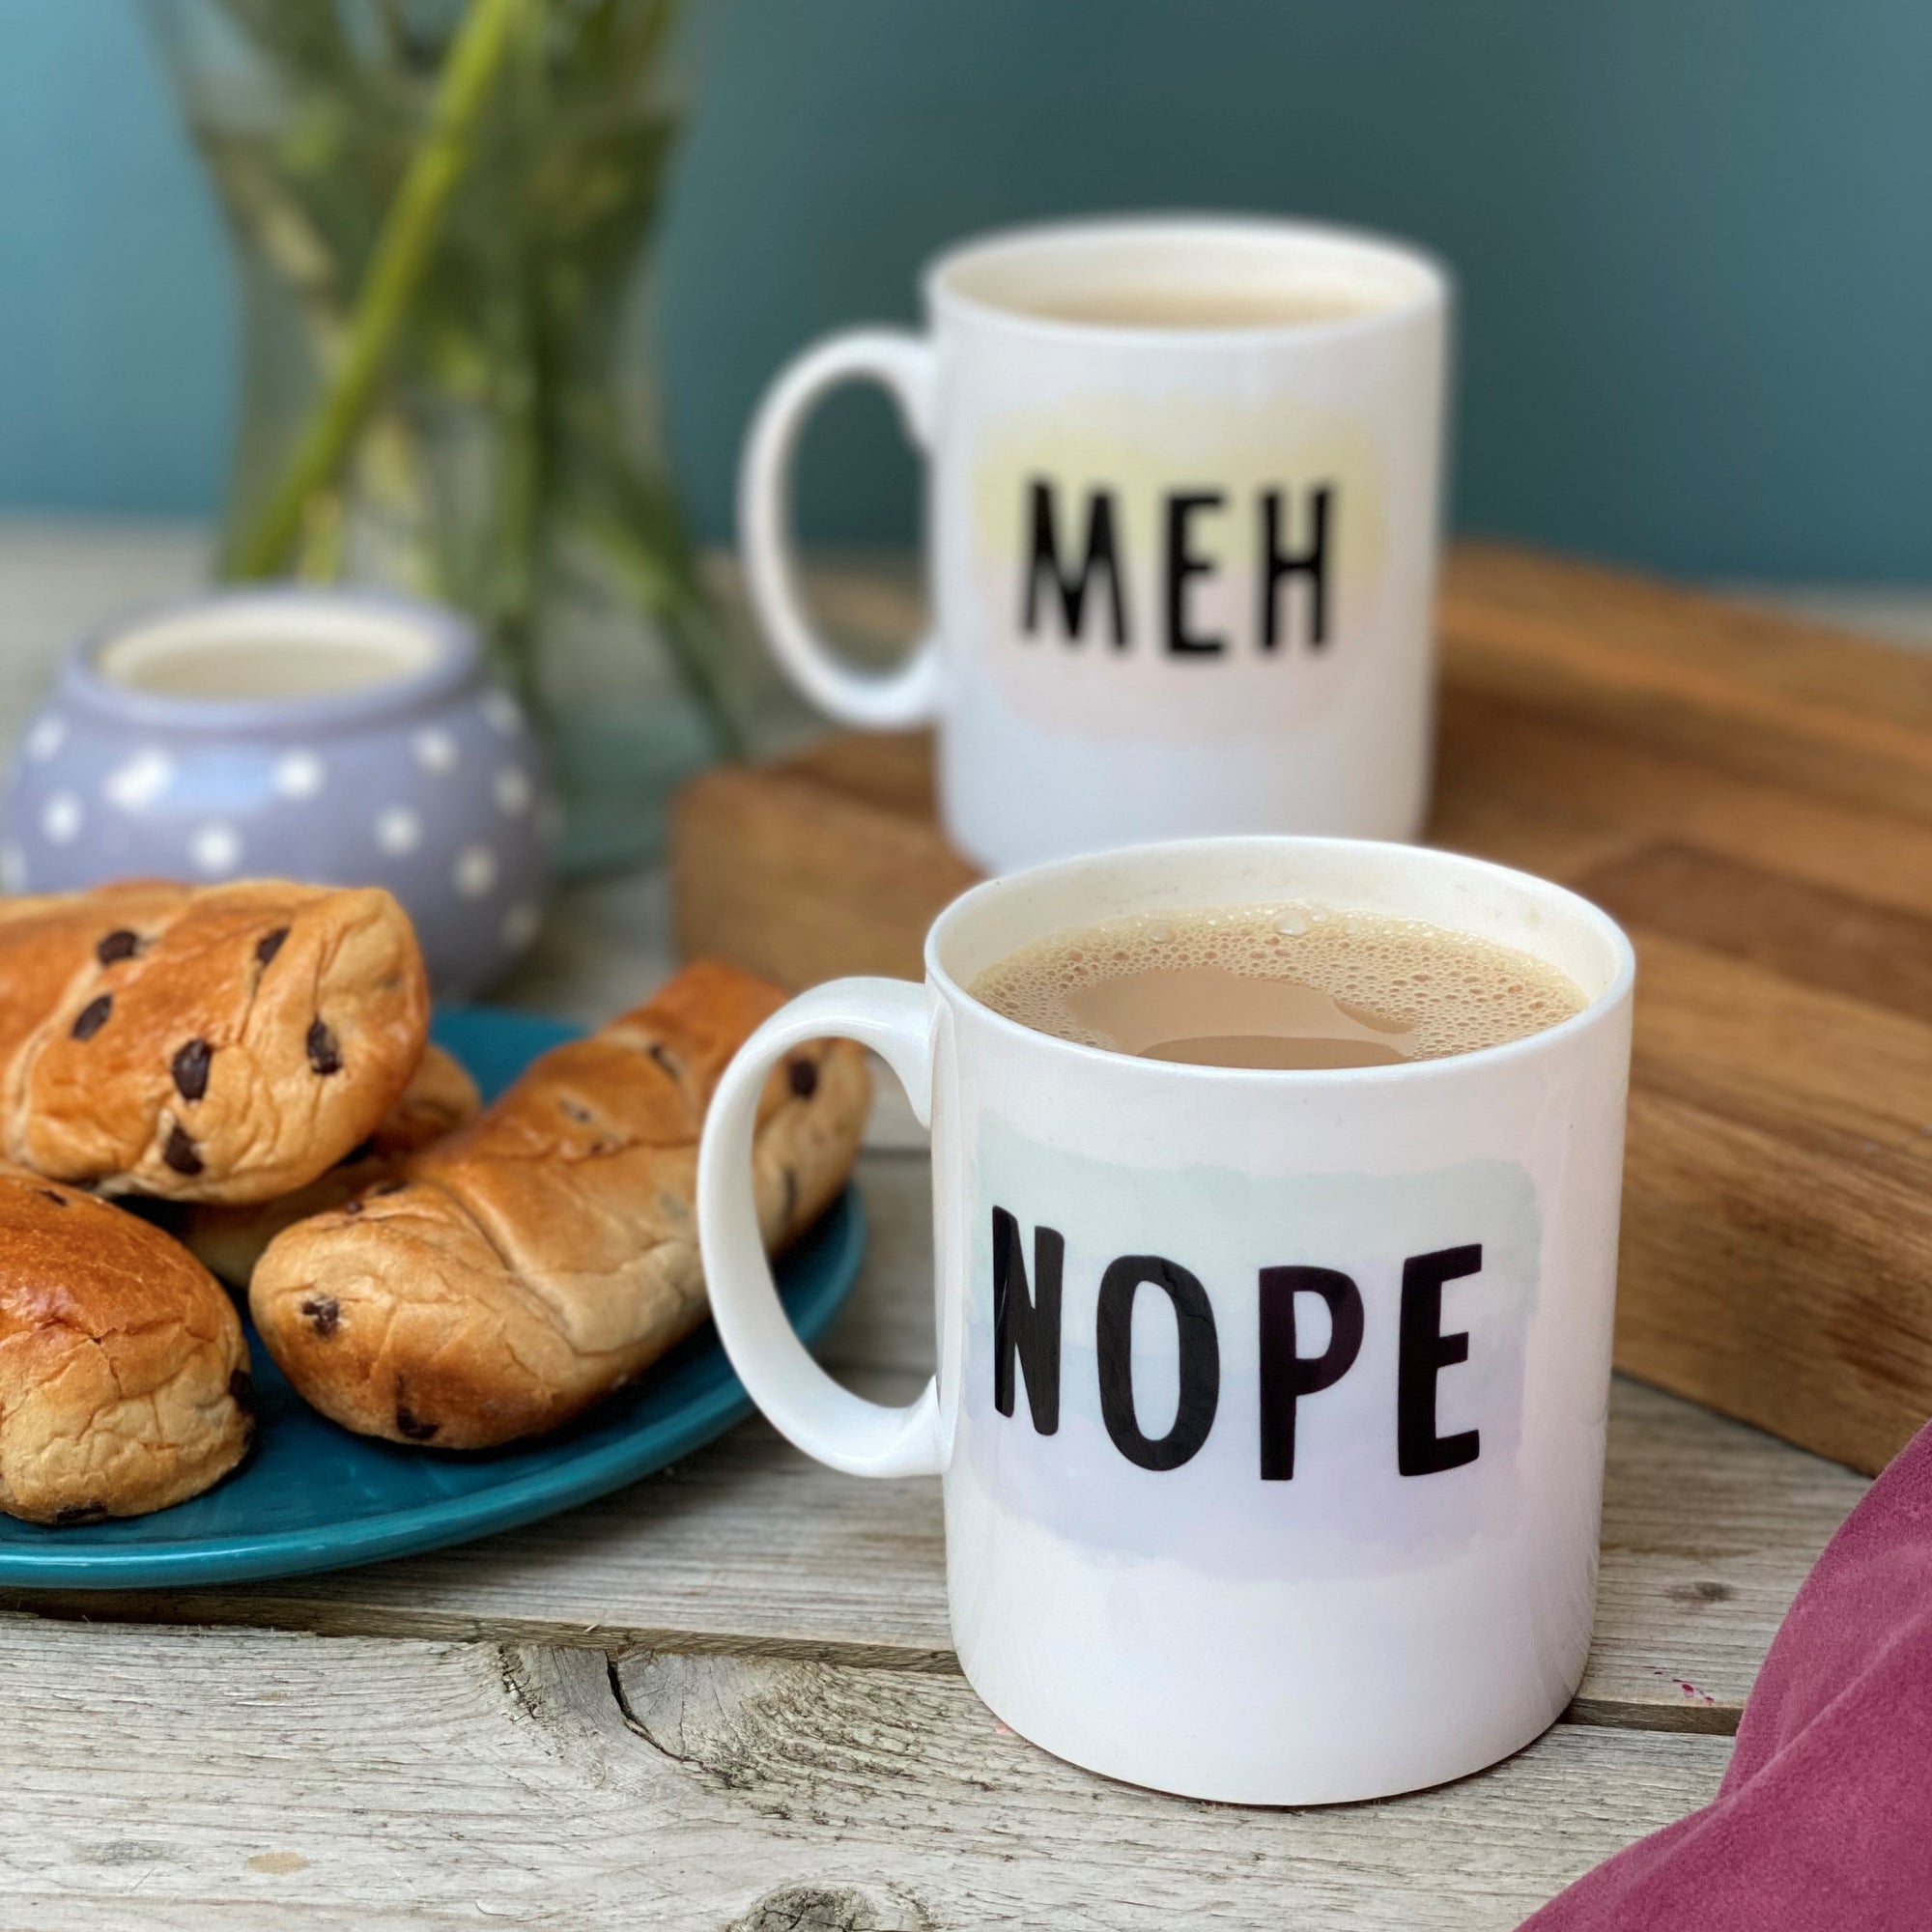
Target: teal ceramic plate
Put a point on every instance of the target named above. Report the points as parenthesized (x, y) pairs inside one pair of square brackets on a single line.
[(312, 1497)]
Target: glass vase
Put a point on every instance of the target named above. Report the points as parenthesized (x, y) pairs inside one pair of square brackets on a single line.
[(442, 215)]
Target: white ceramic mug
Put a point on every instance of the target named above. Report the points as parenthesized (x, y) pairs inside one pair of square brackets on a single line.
[(1270, 1405), (1182, 575)]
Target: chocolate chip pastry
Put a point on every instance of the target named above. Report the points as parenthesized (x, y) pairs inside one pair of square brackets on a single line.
[(439, 1098), (223, 1043), (537, 1260), (124, 1378)]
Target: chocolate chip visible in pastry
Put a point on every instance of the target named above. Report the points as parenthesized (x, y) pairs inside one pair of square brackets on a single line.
[(323, 1054), (92, 1079), (181, 1152), (526, 1268), (439, 1098), (409, 1427), (190, 1070), (93, 1016)]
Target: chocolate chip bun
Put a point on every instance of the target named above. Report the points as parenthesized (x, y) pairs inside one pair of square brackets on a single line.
[(223, 1044), (542, 1257), (439, 1098), (124, 1378)]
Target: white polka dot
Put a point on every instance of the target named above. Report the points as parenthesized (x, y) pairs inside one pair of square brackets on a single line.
[(215, 849), (399, 830), (436, 750), (299, 774), (503, 712), (475, 871), (141, 780), (550, 818), (47, 736), (513, 790), (13, 868), (60, 818), (521, 924)]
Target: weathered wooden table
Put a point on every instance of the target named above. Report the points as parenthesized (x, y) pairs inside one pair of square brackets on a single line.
[(725, 1698)]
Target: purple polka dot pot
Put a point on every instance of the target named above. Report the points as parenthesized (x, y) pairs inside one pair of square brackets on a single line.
[(345, 737)]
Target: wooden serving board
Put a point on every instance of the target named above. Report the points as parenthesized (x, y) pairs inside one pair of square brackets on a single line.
[(1751, 797)]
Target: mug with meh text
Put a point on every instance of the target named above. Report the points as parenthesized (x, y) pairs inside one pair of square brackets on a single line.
[(1184, 500), (1270, 1405)]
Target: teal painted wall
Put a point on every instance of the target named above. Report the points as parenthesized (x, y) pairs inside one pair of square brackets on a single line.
[(1695, 237)]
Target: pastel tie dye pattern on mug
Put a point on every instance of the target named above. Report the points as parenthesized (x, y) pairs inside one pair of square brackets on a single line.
[(347, 737)]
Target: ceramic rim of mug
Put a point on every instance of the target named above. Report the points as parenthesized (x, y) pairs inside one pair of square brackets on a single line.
[(1174, 860), (1418, 280), (448, 657)]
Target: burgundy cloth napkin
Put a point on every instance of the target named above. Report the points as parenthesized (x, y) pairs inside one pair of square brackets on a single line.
[(1824, 1819)]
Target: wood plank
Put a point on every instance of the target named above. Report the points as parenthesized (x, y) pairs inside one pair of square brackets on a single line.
[(1748, 1286), (1810, 935), (1708, 1527), (1497, 756), (1742, 690), (1548, 836), (170, 1778), (801, 881), (1828, 1075), (1663, 622)]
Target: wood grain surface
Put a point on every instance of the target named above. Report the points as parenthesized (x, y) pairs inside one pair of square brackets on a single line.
[(170, 1778), (1752, 796)]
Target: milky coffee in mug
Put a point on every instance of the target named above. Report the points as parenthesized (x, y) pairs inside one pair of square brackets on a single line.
[(1270, 1401), (1278, 986), (1182, 518), (1205, 304)]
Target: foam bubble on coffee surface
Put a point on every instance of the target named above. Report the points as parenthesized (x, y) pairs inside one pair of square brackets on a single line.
[(1450, 992)]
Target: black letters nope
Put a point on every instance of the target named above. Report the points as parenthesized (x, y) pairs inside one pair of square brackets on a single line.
[(1026, 1349)]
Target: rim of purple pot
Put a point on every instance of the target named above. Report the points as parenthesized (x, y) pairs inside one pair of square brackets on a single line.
[(454, 661)]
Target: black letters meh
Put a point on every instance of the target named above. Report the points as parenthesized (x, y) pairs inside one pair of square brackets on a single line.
[(1101, 558)]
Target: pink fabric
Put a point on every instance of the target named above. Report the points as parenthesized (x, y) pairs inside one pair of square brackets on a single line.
[(1824, 1819)]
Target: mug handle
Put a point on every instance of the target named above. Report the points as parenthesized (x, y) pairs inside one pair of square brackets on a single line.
[(903, 365), (803, 1403)]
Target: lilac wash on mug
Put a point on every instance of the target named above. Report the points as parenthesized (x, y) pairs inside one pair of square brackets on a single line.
[(345, 737)]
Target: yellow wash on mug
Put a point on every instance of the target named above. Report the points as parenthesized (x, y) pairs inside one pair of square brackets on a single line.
[(1151, 539)]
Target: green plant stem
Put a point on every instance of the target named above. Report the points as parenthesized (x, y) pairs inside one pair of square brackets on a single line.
[(395, 34), (681, 615), (402, 254)]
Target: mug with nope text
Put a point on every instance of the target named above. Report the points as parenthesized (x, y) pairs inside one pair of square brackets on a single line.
[(1184, 502), (1270, 1404)]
